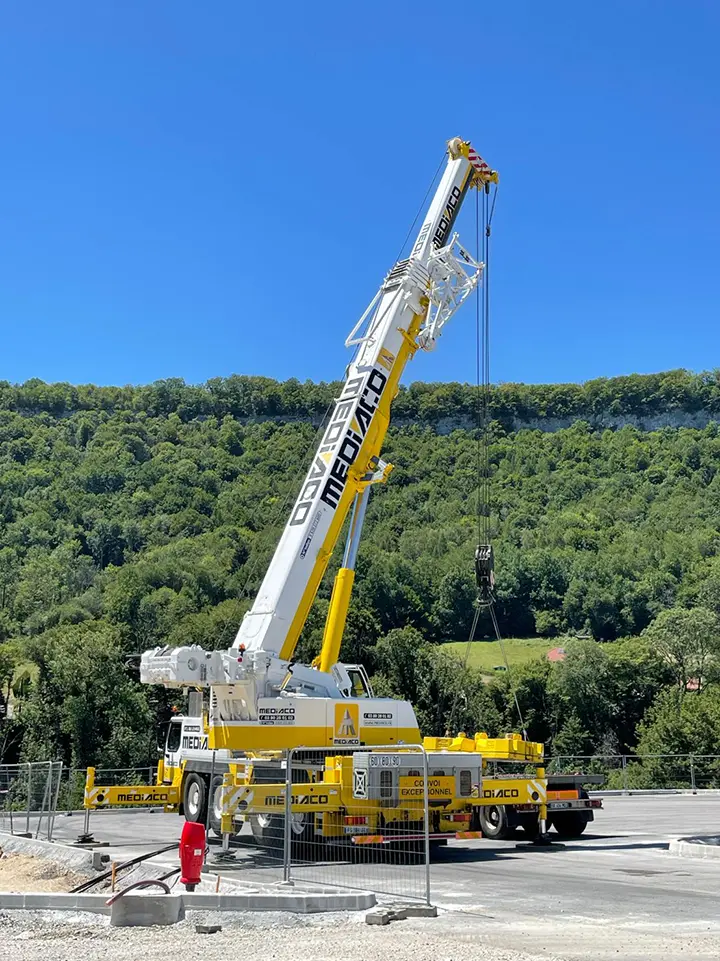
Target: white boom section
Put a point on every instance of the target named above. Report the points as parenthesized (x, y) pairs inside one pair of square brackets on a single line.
[(416, 299), (271, 625)]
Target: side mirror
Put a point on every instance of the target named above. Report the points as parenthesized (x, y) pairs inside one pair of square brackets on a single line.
[(161, 738)]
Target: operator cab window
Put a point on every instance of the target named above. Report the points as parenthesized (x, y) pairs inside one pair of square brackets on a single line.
[(174, 736), (357, 681)]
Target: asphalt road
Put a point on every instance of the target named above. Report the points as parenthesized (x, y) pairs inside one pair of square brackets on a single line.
[(616, 892)]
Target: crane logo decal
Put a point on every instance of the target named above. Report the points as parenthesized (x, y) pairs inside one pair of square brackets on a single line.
[(350, 423), (446, 221), (347, 724)]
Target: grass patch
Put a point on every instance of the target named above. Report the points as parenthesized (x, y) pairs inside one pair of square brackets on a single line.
[(485, 656)]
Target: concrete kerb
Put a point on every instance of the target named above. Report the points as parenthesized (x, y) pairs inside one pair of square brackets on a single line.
[(707, 846), (242, 896), (71, 858), (140, 906)]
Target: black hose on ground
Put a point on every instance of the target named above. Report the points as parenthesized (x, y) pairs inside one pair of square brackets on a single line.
[(121, 867), (149, 882)]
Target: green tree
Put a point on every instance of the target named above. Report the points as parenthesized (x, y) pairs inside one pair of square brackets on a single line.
[(84, 708), (689, 641)]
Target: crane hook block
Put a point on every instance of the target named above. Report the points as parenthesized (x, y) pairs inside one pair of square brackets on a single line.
[(485, 571)]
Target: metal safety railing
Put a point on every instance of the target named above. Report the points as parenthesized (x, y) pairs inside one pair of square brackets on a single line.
[(291, 823), (383, 843), (29, 797), (643, 772), (115, 788)]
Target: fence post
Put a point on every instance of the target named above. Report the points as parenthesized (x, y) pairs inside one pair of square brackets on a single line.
[(27, 820), (624, 773), (51, 822), (426, 815), (210, 802), (288, 814), (45, 804), (692, 774)]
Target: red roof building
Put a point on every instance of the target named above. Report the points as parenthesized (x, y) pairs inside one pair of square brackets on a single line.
[(556, 654)]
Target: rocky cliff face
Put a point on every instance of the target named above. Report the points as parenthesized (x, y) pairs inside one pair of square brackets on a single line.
[(678, 418), (446, 425)]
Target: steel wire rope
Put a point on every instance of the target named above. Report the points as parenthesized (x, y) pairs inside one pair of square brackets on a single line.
[(488, 216), (482, 417), (479, 422)]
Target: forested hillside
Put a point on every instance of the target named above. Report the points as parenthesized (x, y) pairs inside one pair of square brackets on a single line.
[(136, 516), (605, 402)]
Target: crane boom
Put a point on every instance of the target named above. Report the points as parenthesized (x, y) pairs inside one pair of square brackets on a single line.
[(417, 297)]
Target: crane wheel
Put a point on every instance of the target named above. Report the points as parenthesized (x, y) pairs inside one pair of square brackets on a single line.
[(569, 826), (269, 829), (494, 823), (215, 802), (195, 798)]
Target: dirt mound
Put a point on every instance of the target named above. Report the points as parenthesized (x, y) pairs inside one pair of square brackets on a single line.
[(20, 873)]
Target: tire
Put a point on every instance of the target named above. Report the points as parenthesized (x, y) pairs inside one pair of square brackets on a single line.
[(569, 826), (268, 830), (494, 823), (215, 805), (195, 798)]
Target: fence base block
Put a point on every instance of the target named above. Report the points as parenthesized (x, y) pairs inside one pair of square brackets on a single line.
[(139, 910), (420, 911), (378, 917)]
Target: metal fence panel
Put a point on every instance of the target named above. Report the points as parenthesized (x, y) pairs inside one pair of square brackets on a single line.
[(384, 844), (29, 795), (644, 772), (300, 823)]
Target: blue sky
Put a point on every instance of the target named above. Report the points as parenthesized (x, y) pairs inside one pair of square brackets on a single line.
[(196, 190)]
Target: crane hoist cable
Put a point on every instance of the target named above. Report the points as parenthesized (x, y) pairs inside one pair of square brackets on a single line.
[(484, 558)]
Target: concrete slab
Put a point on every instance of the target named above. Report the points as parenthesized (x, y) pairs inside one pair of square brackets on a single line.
[(378, 917), (45, 901), (698, 847), (146, 910), (295, 902)]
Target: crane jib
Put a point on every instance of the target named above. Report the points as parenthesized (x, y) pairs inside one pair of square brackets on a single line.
[(350, 421), (446, 221)]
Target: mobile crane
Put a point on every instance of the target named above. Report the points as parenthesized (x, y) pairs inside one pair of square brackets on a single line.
[(261, 702)]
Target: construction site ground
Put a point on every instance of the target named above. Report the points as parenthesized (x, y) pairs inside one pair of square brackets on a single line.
[(616, 892), (21, 873)]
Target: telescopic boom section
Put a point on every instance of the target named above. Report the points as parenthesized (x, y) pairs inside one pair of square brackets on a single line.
[(418, 296)]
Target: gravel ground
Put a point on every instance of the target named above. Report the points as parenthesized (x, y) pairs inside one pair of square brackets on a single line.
[(20, 873), (274, 937), (36, 936)]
